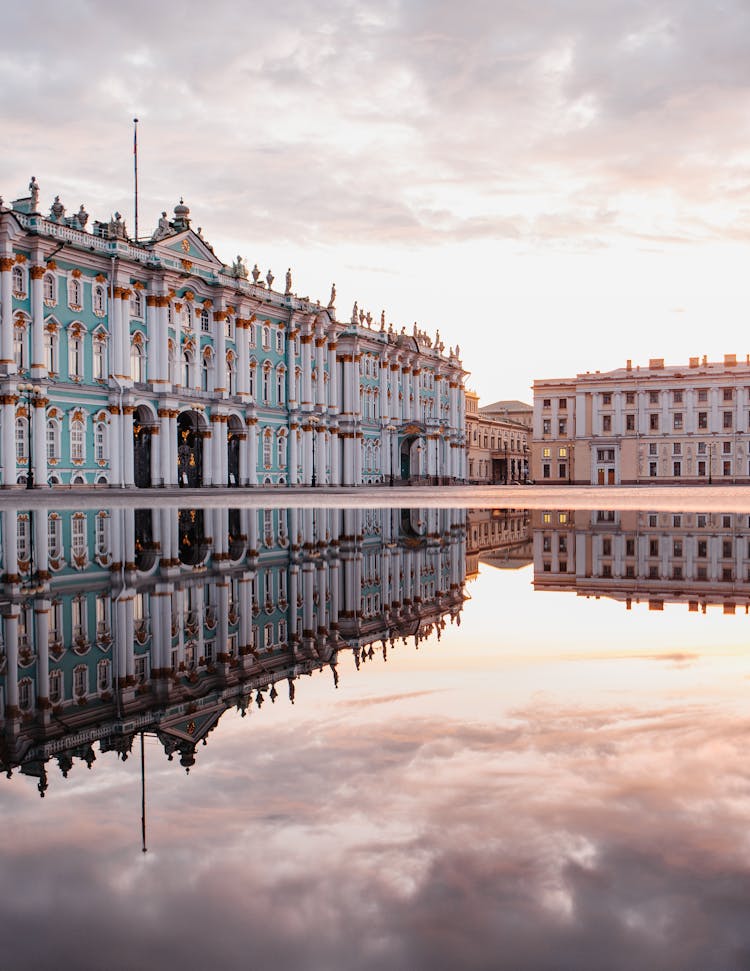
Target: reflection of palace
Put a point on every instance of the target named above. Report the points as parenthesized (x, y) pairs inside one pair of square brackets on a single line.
[(151, 363), (497, 537), (693, 558), (125, 620)]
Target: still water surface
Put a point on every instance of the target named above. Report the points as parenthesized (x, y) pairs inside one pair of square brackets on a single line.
[(445, 739)]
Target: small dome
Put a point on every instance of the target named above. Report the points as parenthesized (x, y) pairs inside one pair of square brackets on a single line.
[(181, 211)]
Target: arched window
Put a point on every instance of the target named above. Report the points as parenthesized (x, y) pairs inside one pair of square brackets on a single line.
[(251, 383), (266, 337), (137, 360), (23, 533), (279, 341), (53, 439), (136, 304), (78, 534), (187, 369), (77, 440), (280, 385), (102, 534), (80, 681), (99, 359), (103, 675), (207, 364), (55, 686), (75, 288), (188, 316), (281, 451), (266, 383), (54, 536), (231, 373), (49, 289), (205, 321), (100, 441), (25, 694), (19, 282), (98, 300), (51, 349), (75, 353), (21, 438), (267, 449), (19, 343), (174, 364)]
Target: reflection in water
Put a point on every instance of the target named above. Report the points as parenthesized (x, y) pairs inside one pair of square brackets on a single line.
[(132, 620), (693, 558)]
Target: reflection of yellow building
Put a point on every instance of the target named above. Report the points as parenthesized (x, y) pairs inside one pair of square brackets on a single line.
[(657, 557), (497, 441), (497, 537)]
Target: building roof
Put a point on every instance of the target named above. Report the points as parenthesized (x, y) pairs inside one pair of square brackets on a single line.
[(512, 405)]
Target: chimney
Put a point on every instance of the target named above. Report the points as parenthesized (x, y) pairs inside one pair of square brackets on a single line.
[(705, 360), (628, 365), (730, 360), (656, 363), (694, 361)]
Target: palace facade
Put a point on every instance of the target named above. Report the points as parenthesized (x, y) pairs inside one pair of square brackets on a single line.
[(117, 621), (655, 424), (152, 363)]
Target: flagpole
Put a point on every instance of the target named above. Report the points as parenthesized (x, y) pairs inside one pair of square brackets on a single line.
[(135, 172)]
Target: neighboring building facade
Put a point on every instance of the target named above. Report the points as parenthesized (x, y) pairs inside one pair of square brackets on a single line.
[(497, 537), (699, 559), (116, 621), (135, 363), (497, 445), (676, 424)]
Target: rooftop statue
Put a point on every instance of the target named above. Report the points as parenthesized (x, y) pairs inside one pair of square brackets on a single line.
[(288, 289), (239, 268), (57, 211), (332, 301), (34, 193), (163, 229), (269, 279), (355, 313), (256, 273)]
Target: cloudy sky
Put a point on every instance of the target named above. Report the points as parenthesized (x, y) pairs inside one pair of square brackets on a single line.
[(487, 801), (556, 186)]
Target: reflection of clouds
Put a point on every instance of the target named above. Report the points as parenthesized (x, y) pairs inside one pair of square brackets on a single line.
[(338, 842)]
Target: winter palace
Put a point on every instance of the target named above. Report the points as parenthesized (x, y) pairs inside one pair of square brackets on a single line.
[(150, 362)]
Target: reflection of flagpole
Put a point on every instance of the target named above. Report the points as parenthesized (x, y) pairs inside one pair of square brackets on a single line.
[(135, 172), (143, 795)]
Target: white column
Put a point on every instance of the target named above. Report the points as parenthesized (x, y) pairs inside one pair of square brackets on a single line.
[(291, 375), (120, 368), (335, 450), (8, 453), (156, 476), (243, 458), (320, 396), (252, 448), (7, 361), (333, 379), (292, 454), (306, 342), (166, 472), (39, 433), (38, 370), (220, 350)]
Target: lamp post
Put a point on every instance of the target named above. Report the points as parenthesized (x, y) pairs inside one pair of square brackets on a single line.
[(506, 462), (710, 462), (32, 393), (314, 421), (390, 429)]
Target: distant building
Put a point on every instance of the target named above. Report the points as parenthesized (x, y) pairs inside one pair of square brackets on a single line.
[(497, 441), (151, 362), (497, 537), (676, 424)]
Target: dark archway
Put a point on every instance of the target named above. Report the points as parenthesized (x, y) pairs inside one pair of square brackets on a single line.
[(189, 451), (234, 431), (143, 424), (192, 537)]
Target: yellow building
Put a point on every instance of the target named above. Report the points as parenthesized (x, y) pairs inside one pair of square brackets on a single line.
[(679, 423)]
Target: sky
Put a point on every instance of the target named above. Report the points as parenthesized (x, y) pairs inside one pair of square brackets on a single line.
[(555, 186)]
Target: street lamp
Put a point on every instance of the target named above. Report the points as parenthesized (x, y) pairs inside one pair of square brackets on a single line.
[(32, 393), (506, 462), (314, 421), (710, 462), (390, 429)]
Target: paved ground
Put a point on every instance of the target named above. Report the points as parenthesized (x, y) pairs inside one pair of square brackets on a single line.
[(657, 498)]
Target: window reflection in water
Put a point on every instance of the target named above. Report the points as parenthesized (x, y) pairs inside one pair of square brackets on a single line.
[(120, 621)]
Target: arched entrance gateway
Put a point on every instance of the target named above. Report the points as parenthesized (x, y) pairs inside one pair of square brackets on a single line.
[(143, 426), (410, 453), (235, 433), (189, 450)]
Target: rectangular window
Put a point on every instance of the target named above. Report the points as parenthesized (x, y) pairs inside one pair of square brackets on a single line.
[(562, 427), (652, 469), (702, 550), (677, 469), (629, 423), (629, 547), (701, 468), (677, 448), (563, 404), (678, 421), (562, 470), (677, 397), (653, 397), (727, 468), (702, 394), (726, 448), (726, 419), (726, 549), (606, 547), (701, 521), (630, 398), (562, 452), (546, 453), (606, 399), (546, 426), (606, 423), (652, 448), (703, 419), (653, 422), (728, 394), (546, 402), (545, 471)]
